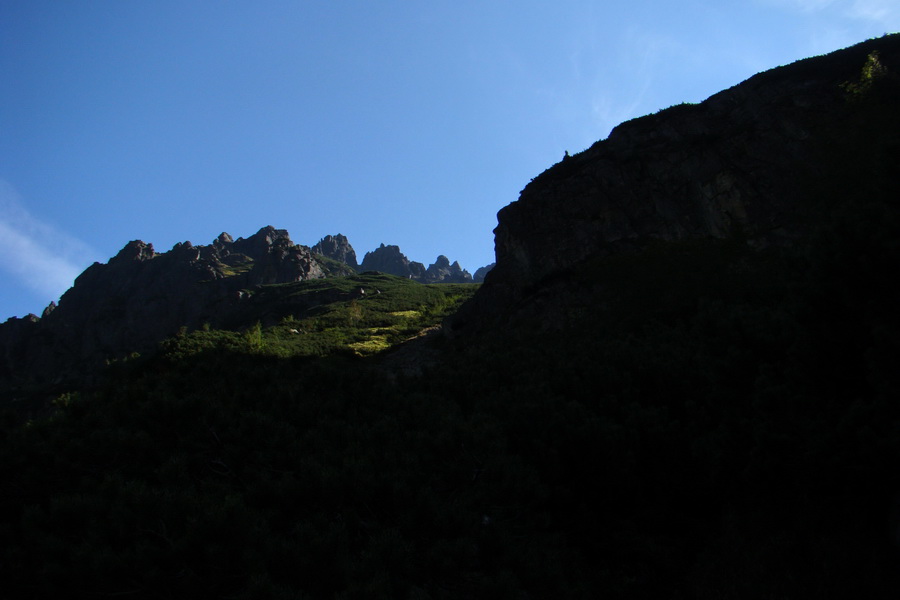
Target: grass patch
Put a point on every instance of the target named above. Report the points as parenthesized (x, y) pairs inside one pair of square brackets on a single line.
[(236, 264), (406, 314), (373, 345), (364, 314)]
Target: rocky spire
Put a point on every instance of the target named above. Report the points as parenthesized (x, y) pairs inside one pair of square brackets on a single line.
[(389, 259), (336, 247), (444, 272)]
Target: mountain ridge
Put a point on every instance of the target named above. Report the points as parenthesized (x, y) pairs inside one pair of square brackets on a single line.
[(690, 171), (679, 381), (141, 296), (748, 162)]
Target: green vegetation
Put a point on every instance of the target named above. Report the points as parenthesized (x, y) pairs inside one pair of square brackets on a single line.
[(714, 422), (363, 314), (872, 71), (335, 268), (237, 264), (698, 420), (703, 419)]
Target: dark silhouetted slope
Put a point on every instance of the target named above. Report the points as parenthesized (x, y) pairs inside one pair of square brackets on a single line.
[(679, 381)]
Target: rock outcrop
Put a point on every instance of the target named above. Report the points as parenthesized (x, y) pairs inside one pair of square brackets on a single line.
[(752, 162), (337, 247), (482, 272), (276, 259), (444, 272), (389, 259), (141, 297), (764, 162)]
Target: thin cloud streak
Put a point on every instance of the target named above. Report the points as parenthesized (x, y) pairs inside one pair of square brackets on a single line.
[(40, 257), (867, 10), (876, 10), (810, 5), (609, 106)]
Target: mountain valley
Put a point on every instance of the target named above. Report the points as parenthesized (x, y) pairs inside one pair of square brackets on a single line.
[(678, 380)]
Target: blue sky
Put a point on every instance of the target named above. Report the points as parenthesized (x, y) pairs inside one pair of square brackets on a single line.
[(408, 123)]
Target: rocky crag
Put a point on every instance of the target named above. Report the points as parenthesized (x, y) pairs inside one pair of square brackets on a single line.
[(389, 259), (337, 247), (482, 272), (765, 161), (142, 296)]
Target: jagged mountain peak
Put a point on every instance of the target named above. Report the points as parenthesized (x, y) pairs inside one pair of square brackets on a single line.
[(140, 296), (389, 259), (337, 247), (134, 250)]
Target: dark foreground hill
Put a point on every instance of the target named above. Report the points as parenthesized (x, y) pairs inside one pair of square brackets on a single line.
[(679, 381)]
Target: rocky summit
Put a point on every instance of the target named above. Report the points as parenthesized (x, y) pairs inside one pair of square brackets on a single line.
[(141, 296), (389, 259), (441, 271), (765, 161), (336, 247)]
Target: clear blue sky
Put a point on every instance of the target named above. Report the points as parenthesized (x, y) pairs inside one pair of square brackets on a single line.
[(408, 123)]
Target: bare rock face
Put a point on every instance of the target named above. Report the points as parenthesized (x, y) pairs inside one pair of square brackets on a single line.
[(749, 162), (133, 251), (15, 336), (482, 272), (389, 259), (441, 271), (140, 297), (276, 259), (337, 247)]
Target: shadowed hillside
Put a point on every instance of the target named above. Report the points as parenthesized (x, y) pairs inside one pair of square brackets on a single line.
[(679, 381)]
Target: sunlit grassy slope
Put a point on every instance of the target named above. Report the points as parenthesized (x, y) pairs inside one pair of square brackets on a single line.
[(363, 314)]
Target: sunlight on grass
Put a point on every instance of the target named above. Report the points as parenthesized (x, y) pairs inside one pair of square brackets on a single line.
[(370, 346), (406, 314)]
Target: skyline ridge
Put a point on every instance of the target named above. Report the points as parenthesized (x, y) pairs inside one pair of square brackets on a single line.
[(408, 124)]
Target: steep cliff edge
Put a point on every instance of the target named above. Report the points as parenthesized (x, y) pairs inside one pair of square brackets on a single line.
[(765, 161)]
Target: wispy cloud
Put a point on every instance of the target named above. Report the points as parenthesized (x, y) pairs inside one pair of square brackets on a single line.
[(805, 5), (42, 258), (625, 93), (884, 11), (876, 10)]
